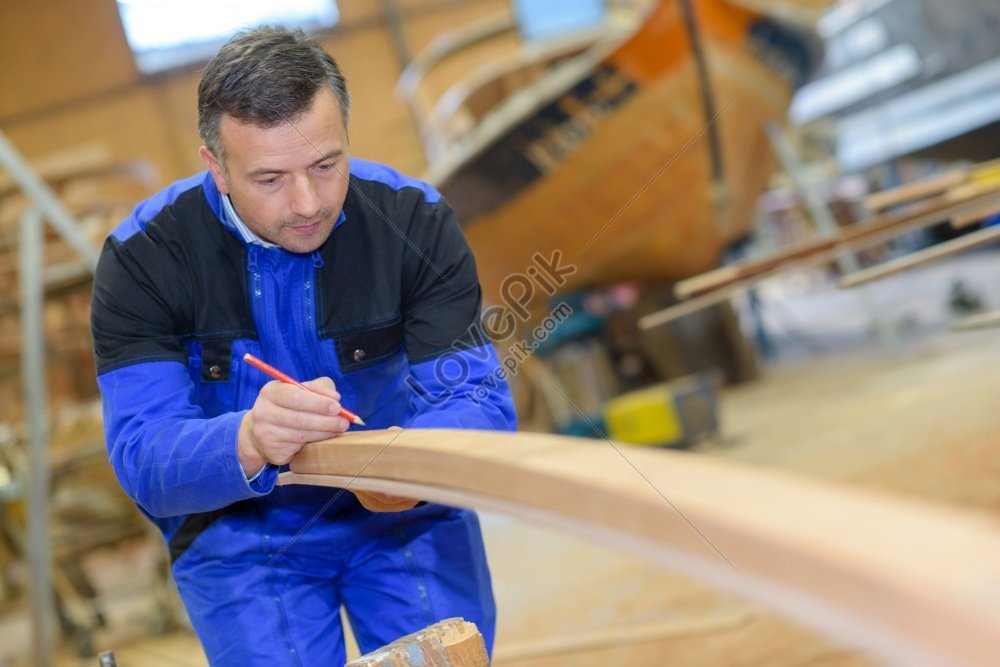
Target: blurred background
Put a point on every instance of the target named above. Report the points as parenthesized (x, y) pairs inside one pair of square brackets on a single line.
[(776, 220)]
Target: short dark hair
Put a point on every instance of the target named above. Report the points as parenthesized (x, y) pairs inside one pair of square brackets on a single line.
[(265, 76)]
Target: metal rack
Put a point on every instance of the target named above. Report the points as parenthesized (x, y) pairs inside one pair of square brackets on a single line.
[(46, 208)]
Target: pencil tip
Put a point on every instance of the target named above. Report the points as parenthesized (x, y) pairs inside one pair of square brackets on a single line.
[(359, 421)]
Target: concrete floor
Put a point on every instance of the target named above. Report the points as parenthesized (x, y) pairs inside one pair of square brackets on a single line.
[(921, 421)]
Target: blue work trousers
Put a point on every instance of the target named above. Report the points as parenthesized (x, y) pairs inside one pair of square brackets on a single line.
[(265, 594)]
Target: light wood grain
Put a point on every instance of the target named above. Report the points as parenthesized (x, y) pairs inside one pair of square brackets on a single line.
[(912, 582), (453, 642)]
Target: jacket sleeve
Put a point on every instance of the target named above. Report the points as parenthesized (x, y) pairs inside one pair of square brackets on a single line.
[(169, 457), (455, 379)]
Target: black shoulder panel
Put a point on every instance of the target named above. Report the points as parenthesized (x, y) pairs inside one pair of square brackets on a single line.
[(183, 276), (399, 266)]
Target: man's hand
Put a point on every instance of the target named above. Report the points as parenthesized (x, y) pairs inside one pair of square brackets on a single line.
[(284, 418), (383, 502)]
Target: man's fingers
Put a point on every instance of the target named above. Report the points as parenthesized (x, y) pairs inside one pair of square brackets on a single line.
[(278, 416), (294, 398), (277, 434), (285, 417), (325, 386), (279, 446), (383, 502)]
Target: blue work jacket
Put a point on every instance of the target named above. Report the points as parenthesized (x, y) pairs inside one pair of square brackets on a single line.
[(388, 308)]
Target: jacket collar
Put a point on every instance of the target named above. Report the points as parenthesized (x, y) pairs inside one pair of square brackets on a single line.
[(223, 209)]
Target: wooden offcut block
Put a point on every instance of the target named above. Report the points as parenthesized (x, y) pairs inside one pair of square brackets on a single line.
[(453, 642)]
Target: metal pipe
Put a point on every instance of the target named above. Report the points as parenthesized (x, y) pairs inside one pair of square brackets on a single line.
[(397, 31), (46, 201), (707, 92), (36, 401), (827, 225)]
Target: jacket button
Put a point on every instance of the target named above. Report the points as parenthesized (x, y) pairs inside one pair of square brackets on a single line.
[(215, 372), (359, 354)]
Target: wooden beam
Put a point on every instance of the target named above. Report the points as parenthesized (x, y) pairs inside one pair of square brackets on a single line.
[(983, 173), (976, 215), (925, 256), (978, 321), (911, 581), (883, 199)]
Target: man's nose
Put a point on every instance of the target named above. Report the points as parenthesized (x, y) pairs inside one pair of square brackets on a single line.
[(305, 199)]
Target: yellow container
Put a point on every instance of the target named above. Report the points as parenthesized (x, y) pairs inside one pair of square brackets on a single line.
[(645, 417)]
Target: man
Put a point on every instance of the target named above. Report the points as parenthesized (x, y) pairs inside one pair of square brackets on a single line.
[(343, 272)]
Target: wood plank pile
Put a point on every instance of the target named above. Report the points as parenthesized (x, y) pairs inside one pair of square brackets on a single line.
[(99, 190), (962, 197), (88, 509)]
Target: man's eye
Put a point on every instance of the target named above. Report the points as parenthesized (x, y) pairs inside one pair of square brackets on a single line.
[(268, 181), (326, 166)]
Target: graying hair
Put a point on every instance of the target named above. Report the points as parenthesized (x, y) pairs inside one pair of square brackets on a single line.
[(265, 76)]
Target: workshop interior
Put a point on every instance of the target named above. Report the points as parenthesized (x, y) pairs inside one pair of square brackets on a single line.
[(739, 267)]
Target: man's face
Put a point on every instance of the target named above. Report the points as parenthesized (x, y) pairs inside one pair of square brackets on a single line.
[(287, 182)]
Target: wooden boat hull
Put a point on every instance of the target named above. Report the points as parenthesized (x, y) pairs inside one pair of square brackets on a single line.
[(616, 172)]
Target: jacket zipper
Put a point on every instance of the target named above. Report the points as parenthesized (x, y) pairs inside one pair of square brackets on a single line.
[(257, 296), (312, 317)]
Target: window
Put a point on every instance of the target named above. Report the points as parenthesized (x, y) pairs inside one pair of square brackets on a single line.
[(165, 34), (555, 18)]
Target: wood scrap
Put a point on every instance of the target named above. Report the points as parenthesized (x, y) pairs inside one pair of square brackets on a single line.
[(453, 642)]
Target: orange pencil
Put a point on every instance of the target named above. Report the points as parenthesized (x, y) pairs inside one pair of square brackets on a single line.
[(281, 377)]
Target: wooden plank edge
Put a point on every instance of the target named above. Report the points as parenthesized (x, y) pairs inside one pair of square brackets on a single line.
[(879, 634)]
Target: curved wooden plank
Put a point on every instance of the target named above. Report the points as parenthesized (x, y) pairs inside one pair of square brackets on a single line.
[(915, 583)]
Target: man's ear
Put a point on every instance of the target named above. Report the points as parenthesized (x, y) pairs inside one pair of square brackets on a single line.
[(215, 167)]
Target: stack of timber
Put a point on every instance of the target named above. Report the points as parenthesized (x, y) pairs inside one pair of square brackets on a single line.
[(639, 156), (88, 510), (99, 190), (975, 181), (961, 197)]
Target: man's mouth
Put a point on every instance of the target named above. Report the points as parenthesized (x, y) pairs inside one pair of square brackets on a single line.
[(308, 228)]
